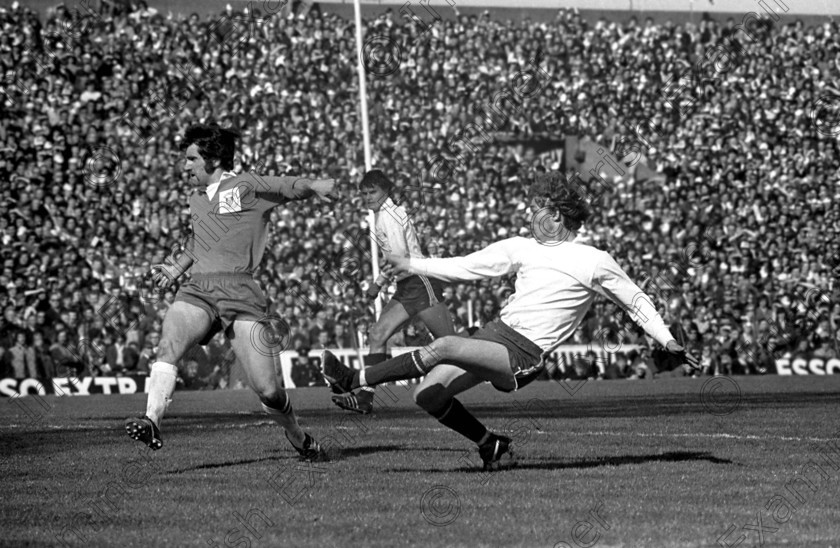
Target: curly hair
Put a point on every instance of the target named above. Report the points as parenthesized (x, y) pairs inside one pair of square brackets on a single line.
[(553, 191), (216, 144)]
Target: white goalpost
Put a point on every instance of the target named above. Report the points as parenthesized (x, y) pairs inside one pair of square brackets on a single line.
[(374, 247)]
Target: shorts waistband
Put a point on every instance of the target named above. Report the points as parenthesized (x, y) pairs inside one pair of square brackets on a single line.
[(209, 276)]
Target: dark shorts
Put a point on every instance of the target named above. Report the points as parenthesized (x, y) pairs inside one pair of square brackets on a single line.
[(525, 356), (417, 293), (225, 298)]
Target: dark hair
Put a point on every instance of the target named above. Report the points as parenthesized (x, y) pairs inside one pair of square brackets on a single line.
[(216, 144), (375, 177), (553, 191)]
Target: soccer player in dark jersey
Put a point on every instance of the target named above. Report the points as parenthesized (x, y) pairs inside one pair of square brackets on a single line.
[(229, 215), (557, 281), (416, 296)]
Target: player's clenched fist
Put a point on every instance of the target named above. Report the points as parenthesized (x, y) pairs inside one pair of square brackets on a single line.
[(323, 188), (675, 348), (387, 270), (164, 275)]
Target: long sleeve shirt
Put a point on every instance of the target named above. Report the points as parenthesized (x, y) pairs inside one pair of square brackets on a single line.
[(555, 286), (395, 233), (230, 221)]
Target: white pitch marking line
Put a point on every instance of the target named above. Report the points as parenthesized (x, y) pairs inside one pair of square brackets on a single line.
[(435, 429), (725, 436), (637, 434)]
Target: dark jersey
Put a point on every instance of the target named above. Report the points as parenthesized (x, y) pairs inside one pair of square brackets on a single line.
[(229, 229)]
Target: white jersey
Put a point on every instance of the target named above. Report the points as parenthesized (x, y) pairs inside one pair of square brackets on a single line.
[(395, 233), (555, 286)]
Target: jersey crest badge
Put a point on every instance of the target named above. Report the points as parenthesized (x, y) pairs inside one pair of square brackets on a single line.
[(230, 201)]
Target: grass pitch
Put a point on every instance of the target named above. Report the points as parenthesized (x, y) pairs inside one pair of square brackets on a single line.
[(672, 463)]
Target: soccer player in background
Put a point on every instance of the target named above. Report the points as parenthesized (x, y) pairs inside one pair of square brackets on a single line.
[(416, 296), (229, 215), (556, 282)]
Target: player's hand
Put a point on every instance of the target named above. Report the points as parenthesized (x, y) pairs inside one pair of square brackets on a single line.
[(674, 347), (163, 275), (399, 264), (386, 269), (381, 281), (323, 188), (373, 291)]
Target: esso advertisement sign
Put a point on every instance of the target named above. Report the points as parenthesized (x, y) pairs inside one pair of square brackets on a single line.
[(801, 365)]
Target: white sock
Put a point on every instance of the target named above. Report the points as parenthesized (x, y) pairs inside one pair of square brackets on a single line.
[(161, 387), (362, 381)]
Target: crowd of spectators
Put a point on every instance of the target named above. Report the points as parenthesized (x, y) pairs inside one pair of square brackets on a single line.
[(735, 237)]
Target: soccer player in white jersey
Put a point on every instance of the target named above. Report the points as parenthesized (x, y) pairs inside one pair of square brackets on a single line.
[(417, 295), (556, 282)]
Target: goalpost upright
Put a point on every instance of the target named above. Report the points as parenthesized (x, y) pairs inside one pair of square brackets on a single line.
[(374, 246)]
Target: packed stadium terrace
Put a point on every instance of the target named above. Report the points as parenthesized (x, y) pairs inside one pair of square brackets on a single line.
[(736, 240)]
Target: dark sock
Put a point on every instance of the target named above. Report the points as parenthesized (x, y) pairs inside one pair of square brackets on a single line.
[(456, 417), (375, 358), (404, 366)]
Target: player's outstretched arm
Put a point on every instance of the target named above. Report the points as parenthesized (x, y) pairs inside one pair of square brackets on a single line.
[(491, 262), (618, 286), (294, 188)]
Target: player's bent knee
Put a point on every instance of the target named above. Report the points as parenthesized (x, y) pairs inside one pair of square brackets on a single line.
[(276, 399), (443, 347)]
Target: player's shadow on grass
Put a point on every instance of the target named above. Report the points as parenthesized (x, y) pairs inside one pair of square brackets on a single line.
[(673, 456), (335, 454), (341, 453), (211, 465)]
